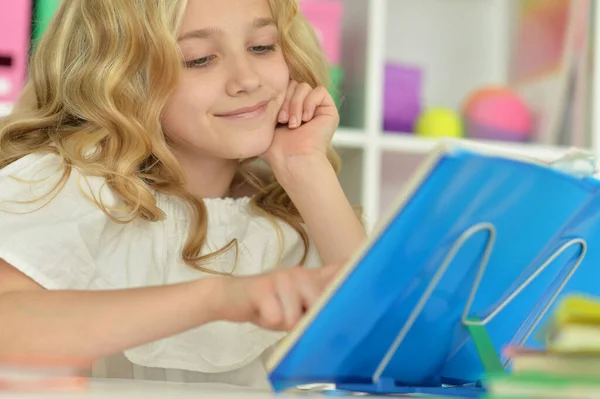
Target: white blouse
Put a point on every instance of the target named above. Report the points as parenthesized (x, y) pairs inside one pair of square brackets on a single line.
[(65, 241)]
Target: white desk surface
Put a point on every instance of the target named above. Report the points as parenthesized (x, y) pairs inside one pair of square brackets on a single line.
[(136, 389)]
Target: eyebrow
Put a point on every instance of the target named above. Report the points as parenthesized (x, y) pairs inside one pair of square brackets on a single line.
[(205, 33)]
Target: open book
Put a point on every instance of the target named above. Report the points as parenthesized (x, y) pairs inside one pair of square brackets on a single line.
[(479, 237)]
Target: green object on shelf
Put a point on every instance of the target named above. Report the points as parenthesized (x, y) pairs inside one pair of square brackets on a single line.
[(43, 12), (337, 78)]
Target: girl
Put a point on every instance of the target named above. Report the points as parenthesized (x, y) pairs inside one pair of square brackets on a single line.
[(135, 229)]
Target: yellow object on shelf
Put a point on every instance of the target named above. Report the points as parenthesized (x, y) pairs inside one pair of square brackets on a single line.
[(439, 122)]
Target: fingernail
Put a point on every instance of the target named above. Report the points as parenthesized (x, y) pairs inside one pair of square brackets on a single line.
[(283, 115), (293, 121), (305, 116)]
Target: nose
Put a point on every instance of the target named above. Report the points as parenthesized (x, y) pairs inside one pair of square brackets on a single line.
[(243, 77)]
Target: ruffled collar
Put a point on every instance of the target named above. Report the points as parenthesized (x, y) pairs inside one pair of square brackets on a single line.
[(220, 210)]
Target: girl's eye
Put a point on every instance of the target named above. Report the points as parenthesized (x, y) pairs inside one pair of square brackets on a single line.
[(200, 62), (205, 61), (261, 50)]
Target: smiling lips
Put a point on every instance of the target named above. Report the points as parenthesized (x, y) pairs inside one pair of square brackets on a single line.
[(246, 112)]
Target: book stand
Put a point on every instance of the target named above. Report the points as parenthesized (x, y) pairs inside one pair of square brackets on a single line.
[(489, 357)]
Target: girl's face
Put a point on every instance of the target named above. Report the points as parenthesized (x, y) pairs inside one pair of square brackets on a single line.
[(234, 82)]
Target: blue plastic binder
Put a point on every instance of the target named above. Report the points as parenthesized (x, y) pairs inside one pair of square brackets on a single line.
[(479, 239)]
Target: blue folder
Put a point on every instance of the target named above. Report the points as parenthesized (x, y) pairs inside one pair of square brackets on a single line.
[(478, 235)]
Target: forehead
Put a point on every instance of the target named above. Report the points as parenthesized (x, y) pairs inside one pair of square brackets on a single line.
[(223, 14)]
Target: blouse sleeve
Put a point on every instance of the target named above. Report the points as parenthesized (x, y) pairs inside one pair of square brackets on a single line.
[(51, 235)]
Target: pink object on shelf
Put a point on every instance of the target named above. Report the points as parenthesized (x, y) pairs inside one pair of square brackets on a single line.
[(326, 17), (499, 107), (15, 30), (498, 113)]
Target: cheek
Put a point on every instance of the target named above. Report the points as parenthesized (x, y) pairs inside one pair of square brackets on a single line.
[(184, 109), (279, 78)]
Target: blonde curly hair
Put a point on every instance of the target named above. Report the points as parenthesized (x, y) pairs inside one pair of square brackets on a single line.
[(96, 63)]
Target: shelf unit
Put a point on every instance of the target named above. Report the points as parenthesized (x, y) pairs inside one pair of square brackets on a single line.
[(460, 44)]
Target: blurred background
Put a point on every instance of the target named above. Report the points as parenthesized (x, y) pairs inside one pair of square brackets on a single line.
[(511, 73)]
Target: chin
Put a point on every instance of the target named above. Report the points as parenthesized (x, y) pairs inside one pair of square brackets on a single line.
[(248, 145)]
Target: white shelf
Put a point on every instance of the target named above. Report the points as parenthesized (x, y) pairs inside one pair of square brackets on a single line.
[(410, 143), (349, 138)]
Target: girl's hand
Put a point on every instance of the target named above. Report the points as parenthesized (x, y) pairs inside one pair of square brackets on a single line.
[(274, 301), (307, 121)]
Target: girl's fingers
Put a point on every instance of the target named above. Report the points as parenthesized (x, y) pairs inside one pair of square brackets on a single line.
[(292, 293), (314, 99), (296, 107), (290, 302), (302, 102), (284, 112), (310, 289), (271, 313)]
